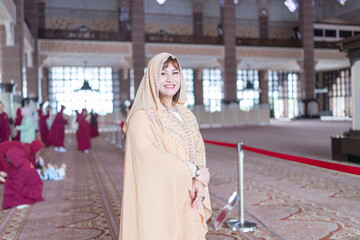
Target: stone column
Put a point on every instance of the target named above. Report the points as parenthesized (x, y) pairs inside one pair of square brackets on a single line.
[(355, 92), (45, 84), (264, 88), (198, 17), (2, 44), (116, 92), (124, 85), (307, 76), (346, 148), (138, 40), (198, 87), (14, 55), (263, 18), (124, 17), (321, 85), (286, 95), (41, 12), (229, 28), (31, 15)]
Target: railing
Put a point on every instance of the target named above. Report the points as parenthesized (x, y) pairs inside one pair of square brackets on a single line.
[(168, 38), (268, 42), (190, 39), (324, 44), (334, 32), (290, 43), (83, 35), (233, 116)]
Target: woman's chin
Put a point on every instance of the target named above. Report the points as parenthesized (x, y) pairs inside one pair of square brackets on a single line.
[(168, 94)]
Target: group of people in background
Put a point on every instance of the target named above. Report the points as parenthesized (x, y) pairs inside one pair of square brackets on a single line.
[(22, 169), (27, 124)]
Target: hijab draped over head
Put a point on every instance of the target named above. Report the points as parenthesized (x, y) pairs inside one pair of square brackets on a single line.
[(26, 112), (147, 95)]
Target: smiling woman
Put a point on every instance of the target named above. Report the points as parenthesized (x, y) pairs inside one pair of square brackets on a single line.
[(170, 80), (166, 181)]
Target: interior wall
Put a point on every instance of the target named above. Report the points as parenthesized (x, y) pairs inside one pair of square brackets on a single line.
[(71, 14), (173, 17)]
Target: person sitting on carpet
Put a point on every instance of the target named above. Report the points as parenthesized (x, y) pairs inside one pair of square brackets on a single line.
[(32, 150), (53, 172), (22, 185)]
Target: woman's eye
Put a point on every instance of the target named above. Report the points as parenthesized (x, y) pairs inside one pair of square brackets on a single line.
[(176, 72), (163, 74)]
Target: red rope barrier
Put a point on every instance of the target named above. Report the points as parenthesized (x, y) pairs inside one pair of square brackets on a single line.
[(309, 161)]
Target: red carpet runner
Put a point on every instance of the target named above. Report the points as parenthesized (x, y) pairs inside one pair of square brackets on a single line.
[(313, 162)]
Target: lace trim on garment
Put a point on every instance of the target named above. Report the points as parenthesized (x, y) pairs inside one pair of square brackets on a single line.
[(186, 140), (200, 141), (161, 65), (191, 141), (153, 118)]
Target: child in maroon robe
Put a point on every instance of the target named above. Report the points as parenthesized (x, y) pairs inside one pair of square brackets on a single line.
[(4, 124), (56, 135), (83, 132), (23, 184), (17, 122), (42, 124)]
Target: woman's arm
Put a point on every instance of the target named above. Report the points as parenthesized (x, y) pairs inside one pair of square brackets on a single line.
[(146, 144), (25, 125)]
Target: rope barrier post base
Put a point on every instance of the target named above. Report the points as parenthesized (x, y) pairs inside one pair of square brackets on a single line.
[(246, 226), (241, 224)]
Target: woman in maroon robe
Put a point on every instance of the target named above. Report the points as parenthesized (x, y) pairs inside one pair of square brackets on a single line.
[(42, 124), (83, 132), (17, 122), (56, 135), (94, 131), (4, 124), (23, 184)]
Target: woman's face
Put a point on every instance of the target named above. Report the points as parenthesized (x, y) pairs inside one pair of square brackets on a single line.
[(170, 82)]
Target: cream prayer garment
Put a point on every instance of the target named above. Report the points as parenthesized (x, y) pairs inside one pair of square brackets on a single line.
[(156, 202)]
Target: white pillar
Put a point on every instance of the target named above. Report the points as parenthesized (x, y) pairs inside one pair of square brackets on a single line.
[(355, 79)]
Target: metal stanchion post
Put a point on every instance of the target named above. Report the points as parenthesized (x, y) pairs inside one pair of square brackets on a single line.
[(113, 139), (241, 224), (106, 129), (119, 145)]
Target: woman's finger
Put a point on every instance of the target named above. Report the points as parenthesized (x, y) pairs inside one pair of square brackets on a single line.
[(192, 192), (196, 200), (199, 203)]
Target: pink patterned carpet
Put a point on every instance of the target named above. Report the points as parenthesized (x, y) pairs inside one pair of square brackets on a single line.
[(287, 200)]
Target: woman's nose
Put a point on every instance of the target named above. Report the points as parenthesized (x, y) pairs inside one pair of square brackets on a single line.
[(169, 78)]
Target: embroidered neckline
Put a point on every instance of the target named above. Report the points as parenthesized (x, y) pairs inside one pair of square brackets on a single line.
[(172, 109)]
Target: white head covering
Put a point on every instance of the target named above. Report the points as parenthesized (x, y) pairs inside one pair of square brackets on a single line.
[(147, 95), (26, 112)]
